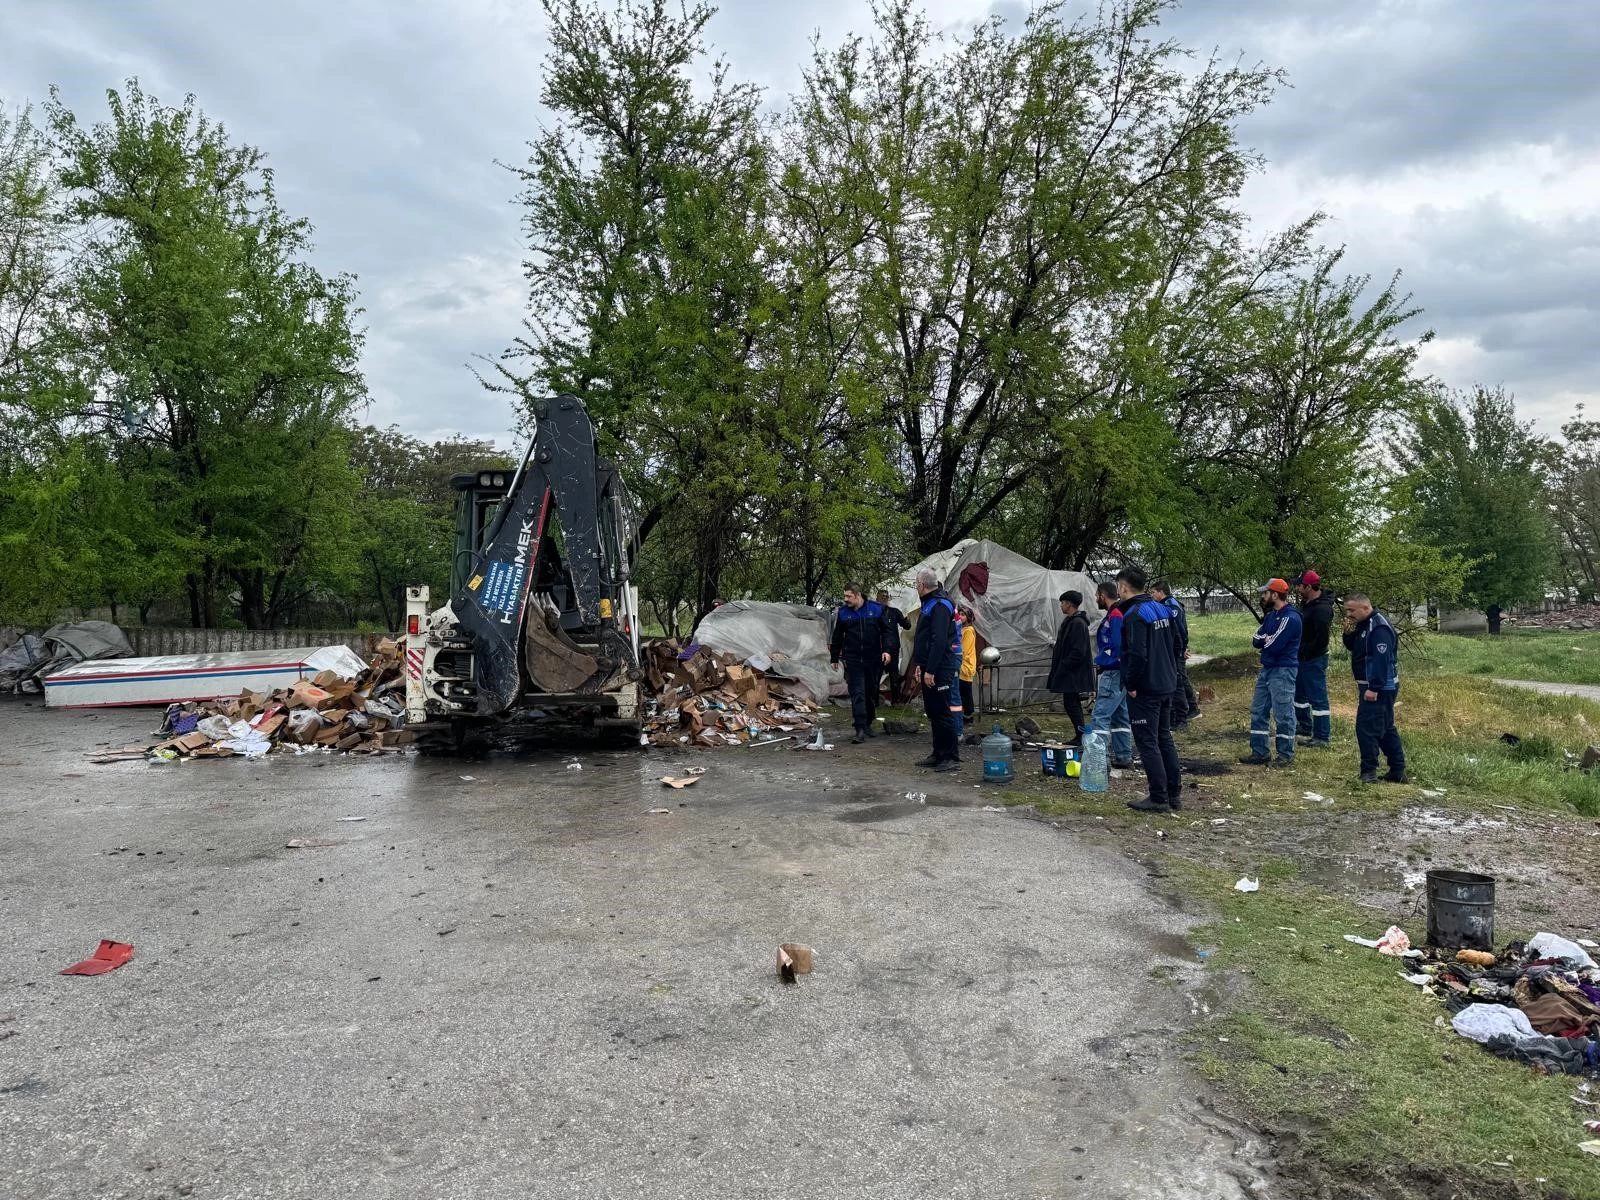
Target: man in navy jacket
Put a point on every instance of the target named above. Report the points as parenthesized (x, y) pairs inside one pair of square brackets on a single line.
[(1150, 658), (1375, 662), (861, 641), (1278, 639), (937, 656)]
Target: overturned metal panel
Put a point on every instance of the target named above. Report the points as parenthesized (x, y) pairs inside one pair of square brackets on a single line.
[(175, 677)]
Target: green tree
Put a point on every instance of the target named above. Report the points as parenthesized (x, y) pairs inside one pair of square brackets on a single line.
[(1572, 468), (1473, 485), (218, 365)]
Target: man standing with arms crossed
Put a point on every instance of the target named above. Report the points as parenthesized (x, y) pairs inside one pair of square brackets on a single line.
[(1278, 639), (938, 658), (1150, 676), (1374, 660), (1312, 718)]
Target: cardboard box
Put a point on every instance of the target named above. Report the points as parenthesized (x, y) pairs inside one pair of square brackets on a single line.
[(308, 695)]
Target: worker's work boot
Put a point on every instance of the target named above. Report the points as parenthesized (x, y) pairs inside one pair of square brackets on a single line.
[(1150, 805), (947, 765), (1281, 764), (931, 761), (858, 739), (1369, 777), (1397, 777), (1253, 760), (870, 732)]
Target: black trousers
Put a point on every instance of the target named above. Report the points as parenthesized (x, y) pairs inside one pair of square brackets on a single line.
[(862, 680), (1185, 700), (937, 702), (969, 706), (1151, 717), (1072, 702), (1375, 731), (892, 672)]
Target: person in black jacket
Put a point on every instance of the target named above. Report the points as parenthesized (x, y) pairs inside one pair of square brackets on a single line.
[(1185, 700), (1150, 676), (938, 660), (861, 641), (894, 621), (1072, 662), (1313, 718)]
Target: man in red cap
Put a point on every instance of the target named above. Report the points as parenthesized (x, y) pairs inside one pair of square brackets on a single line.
[(1278, 639), (1313, 719)]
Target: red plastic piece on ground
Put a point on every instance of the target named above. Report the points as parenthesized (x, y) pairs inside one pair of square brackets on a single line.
[(108, 957)]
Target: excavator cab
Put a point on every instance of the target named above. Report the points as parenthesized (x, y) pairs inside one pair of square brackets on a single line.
[(542, 615)]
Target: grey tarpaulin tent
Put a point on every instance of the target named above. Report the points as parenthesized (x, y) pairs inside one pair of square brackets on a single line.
[(791, 637), (1015, 601), (33, 658)]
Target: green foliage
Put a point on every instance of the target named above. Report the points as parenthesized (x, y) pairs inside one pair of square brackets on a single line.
[(1572, 470), (214, 367), (1472, 484)]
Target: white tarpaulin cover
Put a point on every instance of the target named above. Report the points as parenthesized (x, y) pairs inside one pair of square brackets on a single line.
[(1018, 610), (792, 637), (170, 678)]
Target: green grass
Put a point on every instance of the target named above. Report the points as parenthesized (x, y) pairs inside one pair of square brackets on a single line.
[(1328, 1038), (1546, 655), (1549, 655)]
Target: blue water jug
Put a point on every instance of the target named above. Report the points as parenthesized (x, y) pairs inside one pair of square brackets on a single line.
[(997, 755), (1094, 775)]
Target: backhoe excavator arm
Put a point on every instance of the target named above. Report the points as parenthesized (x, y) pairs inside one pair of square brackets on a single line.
[(558, 475)]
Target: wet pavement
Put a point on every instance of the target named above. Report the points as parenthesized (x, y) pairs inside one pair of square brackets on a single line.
[(524, 983)]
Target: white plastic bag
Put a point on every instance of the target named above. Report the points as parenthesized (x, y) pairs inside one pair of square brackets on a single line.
[(1480, 1022), (1548, 945)]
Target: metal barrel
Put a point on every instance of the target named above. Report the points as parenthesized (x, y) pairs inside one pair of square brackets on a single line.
[(1460, 910)]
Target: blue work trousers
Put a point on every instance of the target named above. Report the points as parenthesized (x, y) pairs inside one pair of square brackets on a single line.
[(1111, 715), (1273, 704), (1312, 717)]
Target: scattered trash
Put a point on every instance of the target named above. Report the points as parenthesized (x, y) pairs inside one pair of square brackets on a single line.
[(312, 843), (1219, 820), (1590, 1147), (703, 698), (1591, 1126), (1419, 980), (467, 778), (1548, 945), (695, 771), (1433, 793), (999, 808), (1369, 943), (1248, 885), (794, 959), (1587, 944), (1394, 942), (1511, 739), (679, 783), (352, 818), (108, 956), (1412, 880), (1477, 958), (659, 812), (917, 797), (1316, 798), (574, 766)]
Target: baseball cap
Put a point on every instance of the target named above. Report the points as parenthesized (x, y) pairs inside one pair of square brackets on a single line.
[(1275, 585), (1310, 579)]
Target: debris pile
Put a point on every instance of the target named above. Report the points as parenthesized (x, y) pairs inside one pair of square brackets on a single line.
[(364, 715), (1534, 1002), (699, 698), (1577, 617)]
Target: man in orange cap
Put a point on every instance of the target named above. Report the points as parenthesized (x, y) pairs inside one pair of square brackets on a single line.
[(1278, 639)]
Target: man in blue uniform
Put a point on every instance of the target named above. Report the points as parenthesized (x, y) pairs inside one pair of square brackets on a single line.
[(861, 641), (1278, 639), (1374, 660), (1110, 701), (1150, 676), (938, 660)]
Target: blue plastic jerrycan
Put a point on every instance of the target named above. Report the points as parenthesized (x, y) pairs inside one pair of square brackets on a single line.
[(997, 756)]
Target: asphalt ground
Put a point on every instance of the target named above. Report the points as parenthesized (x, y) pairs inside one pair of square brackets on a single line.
[(525, 984)]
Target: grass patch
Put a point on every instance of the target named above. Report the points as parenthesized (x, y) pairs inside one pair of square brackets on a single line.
[(1328, 1038), (1546, 655)]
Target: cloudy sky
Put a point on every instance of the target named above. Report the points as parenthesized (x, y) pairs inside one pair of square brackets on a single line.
[(1454, 140)]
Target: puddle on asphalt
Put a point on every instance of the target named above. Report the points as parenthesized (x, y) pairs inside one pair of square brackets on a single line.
[(878, 812)]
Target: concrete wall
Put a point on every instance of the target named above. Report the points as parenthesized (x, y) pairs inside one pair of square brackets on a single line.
[(148, 643)]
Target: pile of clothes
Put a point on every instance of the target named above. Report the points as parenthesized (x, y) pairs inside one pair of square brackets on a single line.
[(700, 698), (1537, 1002), (363, 715)]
